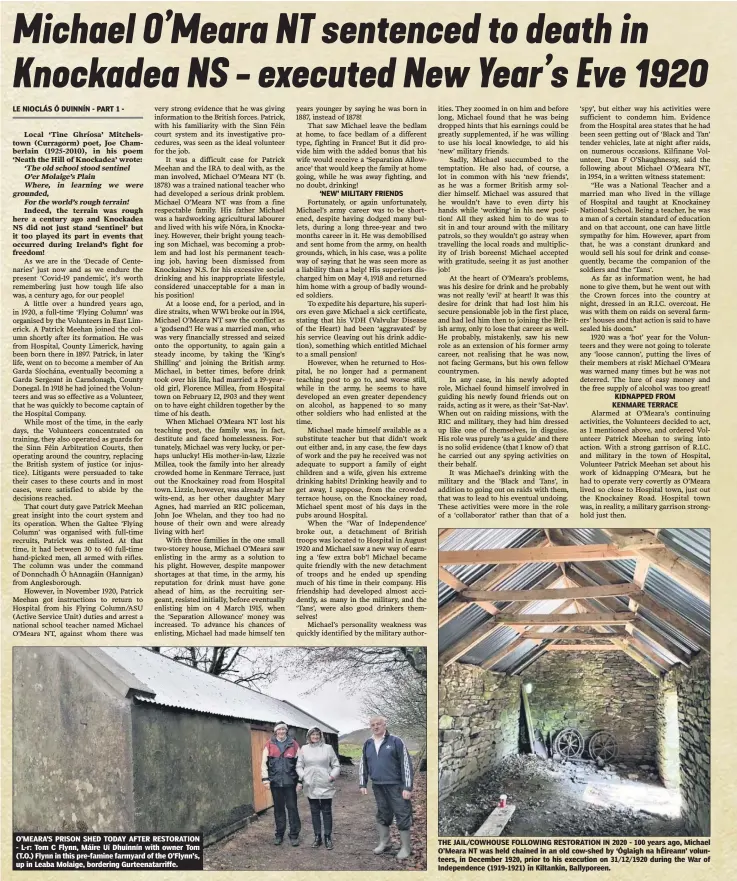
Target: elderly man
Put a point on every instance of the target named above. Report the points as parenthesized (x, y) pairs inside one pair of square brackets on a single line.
[(386, 761), (279, 773)]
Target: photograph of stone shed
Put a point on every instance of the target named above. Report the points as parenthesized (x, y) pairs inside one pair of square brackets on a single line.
[(121, 739), (575, 679)]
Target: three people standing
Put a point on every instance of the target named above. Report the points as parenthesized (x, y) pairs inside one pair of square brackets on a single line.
[(288, 769)]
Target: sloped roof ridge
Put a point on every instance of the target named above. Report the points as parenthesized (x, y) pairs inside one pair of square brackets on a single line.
[(175, 684)]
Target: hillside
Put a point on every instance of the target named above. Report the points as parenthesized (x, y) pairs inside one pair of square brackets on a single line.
[(360, 735)]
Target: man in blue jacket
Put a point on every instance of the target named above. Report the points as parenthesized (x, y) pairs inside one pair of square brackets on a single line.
[(386, 762)]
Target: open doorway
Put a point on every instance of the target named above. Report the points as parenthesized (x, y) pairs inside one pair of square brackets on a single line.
[(669, 746)]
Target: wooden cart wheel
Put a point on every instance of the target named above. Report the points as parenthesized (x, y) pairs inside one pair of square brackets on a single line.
[(603, 746), (568, 743)]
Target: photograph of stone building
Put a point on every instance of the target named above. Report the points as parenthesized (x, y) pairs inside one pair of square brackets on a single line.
[(182, 740), (575, 681)]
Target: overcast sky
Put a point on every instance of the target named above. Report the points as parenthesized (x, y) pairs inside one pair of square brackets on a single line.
[(330, 703)]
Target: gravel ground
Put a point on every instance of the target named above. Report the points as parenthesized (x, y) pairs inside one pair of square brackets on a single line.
[(354, 837), (548, 798)]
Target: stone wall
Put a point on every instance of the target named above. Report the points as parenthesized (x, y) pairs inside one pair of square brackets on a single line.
[(594, 691), (692, 685), (479, 723)]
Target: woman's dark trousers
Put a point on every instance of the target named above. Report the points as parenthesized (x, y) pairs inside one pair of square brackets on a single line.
[(321, 807)]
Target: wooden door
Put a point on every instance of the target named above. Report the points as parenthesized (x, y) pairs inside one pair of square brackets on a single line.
[(261, 795)]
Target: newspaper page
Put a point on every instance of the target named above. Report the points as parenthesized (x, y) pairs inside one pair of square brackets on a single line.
[(305, 307)]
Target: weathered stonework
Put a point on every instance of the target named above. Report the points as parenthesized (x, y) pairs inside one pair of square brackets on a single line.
[(594, 691), (478, 723), (692, 685)]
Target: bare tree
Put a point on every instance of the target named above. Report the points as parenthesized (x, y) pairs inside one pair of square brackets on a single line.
[(393, 680), (250, 667), (352, 665), (404, 704)]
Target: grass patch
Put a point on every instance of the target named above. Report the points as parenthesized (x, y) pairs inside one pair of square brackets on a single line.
[(354, 750)]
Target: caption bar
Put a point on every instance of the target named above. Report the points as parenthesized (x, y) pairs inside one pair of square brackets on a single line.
[(123, 851)]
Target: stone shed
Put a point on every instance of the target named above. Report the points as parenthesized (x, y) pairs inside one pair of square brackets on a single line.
[(560, 641), (124, 739)]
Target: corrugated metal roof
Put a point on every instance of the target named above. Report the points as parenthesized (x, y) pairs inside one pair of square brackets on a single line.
[(587, 536), (668, 660), (545, 607), (461, 625), (479, 539), (665, 590), (503, 636), (520, 658), (669, 632), (474, 539), (669, 593), (445, 593), (176, 685), (488, 647), (624, 569), (692, 544), (527, 576), (458, 627)]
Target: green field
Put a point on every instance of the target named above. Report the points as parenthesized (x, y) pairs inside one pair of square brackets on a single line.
[(352, 750)]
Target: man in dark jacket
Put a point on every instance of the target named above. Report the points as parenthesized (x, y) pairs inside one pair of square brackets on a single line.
[(279, 773), (386, 762)]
